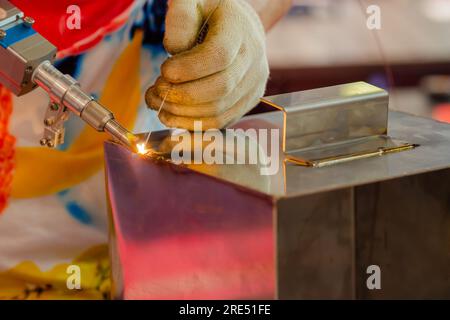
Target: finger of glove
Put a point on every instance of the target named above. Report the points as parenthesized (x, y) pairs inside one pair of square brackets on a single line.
[(228, 117), (216, 53), (210, 88), (183, 23), (209, 109), (258, 73)]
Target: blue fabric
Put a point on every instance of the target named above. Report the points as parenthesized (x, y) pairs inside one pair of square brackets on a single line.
[(78, 212), (16, 34)]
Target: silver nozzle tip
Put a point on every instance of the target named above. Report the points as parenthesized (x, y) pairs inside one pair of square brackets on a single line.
[(121, 135)]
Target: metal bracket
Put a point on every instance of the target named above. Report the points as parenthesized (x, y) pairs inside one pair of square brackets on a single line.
[(55, 117), (336, 124)]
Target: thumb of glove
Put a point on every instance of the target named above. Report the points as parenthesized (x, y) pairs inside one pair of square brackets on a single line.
[(184, 20)]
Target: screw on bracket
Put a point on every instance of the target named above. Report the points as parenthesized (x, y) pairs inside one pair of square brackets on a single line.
[(28, 22), (43, 142), (2, 34)]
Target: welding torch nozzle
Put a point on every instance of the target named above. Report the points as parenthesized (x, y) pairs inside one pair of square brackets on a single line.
[(66, 92), (103, 120)]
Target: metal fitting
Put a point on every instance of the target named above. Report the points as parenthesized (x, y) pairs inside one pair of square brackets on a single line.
[(48, 122), (28, 22), (96, 115), (2, 34), (66, 94), (121, 134)]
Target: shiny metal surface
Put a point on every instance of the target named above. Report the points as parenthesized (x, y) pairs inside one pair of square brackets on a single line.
[(18, 61), (224, 231), (327, 241), (120, 134), (433, 154), (96, 115), (25, 63), (191, 242), (54, 131), (315, 246), (58, 85), (11, 13), (332, 114), (335, 124), (403, 226), (356, 149), (21, 49), (291, 180)]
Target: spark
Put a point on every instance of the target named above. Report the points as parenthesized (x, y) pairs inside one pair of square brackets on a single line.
[(141, 148)]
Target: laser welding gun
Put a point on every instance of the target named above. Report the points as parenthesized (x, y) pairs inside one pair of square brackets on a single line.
[(26, 63)]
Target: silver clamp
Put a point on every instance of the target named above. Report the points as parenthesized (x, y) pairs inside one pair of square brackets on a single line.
[(55, 117)]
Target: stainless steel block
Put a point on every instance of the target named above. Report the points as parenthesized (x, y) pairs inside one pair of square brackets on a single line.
[(225, 231)]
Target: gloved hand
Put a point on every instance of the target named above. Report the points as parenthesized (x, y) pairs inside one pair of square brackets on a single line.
[(218, 80)]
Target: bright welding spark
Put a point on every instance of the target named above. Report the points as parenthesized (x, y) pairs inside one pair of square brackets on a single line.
[(141, 148)]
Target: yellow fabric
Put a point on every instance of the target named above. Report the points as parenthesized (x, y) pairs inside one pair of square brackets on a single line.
[(41, 171), (27, 281)]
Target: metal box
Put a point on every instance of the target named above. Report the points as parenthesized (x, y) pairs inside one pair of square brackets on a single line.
[(227, 232)]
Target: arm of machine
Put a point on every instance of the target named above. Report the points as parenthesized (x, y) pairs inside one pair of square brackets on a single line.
[(26, 63)]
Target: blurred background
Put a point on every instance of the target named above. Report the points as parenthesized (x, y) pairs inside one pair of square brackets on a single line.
[(327, 42)]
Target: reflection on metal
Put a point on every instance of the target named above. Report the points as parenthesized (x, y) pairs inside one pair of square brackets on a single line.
[(224, 231), (161, 144), (178, 234), (348, 151), (336, 124)]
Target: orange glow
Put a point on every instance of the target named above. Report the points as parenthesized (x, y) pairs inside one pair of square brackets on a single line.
[(141, 149)]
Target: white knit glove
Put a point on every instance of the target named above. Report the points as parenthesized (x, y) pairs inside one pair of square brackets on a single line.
[(219, 80)]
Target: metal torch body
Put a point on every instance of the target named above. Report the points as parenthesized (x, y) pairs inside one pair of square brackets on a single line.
[(26, 62)]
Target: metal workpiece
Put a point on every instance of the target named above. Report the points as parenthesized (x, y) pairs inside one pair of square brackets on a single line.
[(332, 114), (335, 124), (303, 233), (330, 242), (292, 180), (191, 241)]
